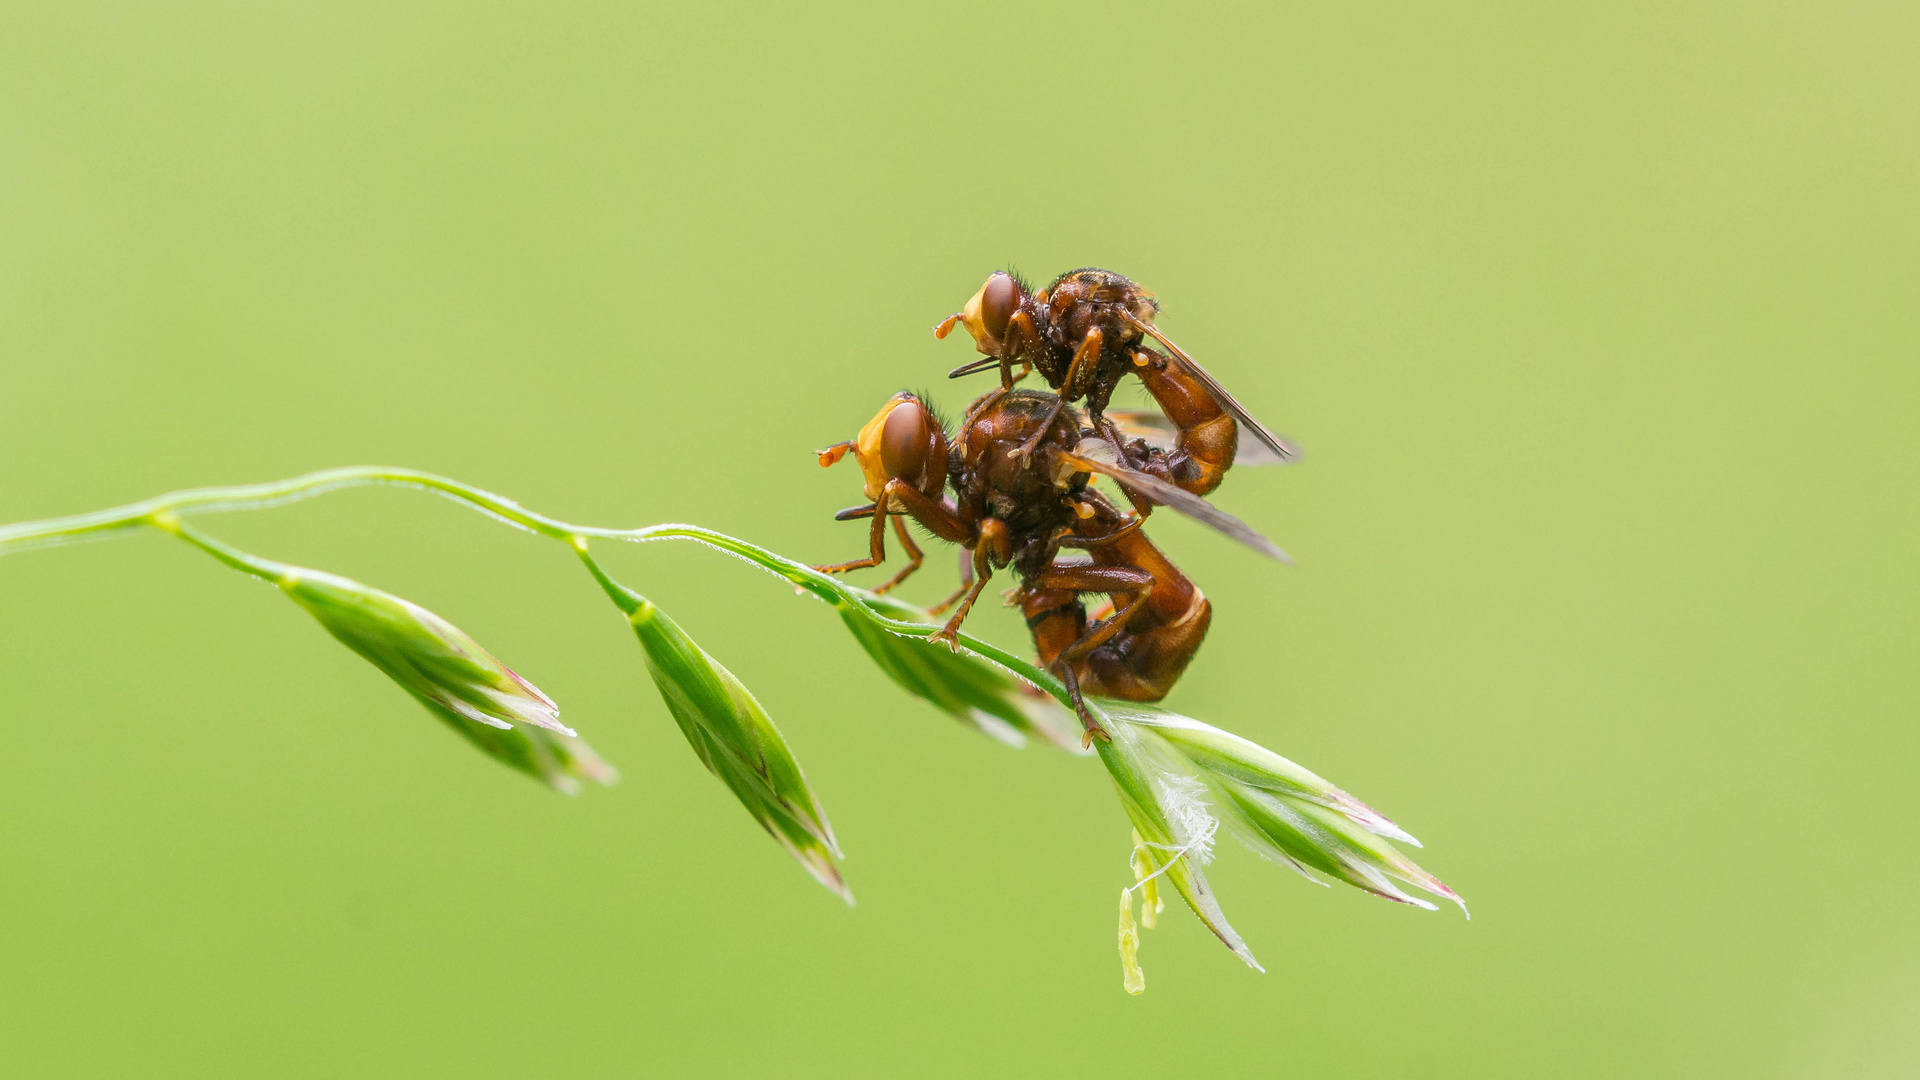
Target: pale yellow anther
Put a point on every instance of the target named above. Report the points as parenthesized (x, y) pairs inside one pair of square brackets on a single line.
[(1132, 979), (1151, 905)]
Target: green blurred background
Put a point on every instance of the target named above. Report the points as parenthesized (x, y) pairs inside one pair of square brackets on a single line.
[(1598, 323)]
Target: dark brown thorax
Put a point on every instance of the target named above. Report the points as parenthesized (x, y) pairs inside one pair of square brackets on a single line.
[(990, 481), (1077, 304)]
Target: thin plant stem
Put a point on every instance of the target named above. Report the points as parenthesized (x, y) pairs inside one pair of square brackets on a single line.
[(165, 511), (259, 496), (274, 573), (1282, 811)]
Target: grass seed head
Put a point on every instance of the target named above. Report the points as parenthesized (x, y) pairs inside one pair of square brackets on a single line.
[(737, 742), (1182, 781), (972, 690), (458, 681)]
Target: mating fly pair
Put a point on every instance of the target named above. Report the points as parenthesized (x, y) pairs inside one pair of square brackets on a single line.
[(1019, 467)]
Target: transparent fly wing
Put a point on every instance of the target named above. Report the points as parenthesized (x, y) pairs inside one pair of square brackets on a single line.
[(1287, 451), (1159, 432), (1166, 494)]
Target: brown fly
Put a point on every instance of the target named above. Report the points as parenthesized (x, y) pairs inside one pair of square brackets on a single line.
[(1022, 510), (1083, 334)]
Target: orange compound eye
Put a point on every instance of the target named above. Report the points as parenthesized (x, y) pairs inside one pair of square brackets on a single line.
[(906, 440), (998, 299)]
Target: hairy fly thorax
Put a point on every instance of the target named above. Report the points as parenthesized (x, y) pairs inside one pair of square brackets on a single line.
[(991, 479), (1079, 303)]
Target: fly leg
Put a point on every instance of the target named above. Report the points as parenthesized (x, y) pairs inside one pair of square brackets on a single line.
[(1093, 728), (1111, 432), (896, 497), (1019, 331), (966, 582), (1087, 353), (1019, 336), (986, 401), (877, 537), (1113, 580), (1085, 358), (1025, 453), (1127, 528), (982, 573), (913, 553), (993, 545)]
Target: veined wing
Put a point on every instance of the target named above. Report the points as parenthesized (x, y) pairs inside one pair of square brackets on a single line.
[(1184, 501), (1240, 415), (1158, 431)]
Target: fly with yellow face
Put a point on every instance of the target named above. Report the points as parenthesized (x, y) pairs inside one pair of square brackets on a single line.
[(1086, 332)]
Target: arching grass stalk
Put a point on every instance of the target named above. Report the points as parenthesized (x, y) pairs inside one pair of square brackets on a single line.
[(1180, 781)]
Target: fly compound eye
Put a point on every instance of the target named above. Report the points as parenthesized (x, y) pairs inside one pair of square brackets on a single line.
[(906, 440), (998, 298)]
